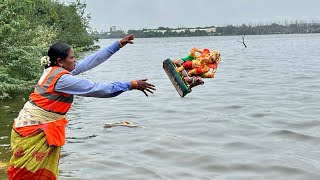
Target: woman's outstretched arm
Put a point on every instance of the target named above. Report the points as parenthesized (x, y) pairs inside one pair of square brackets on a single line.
[(101, 56)]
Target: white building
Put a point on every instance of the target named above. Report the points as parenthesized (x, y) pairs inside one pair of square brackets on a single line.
[(113, 29), (211, 29)]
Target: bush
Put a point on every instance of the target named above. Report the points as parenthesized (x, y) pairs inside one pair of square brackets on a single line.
[(27, 29)]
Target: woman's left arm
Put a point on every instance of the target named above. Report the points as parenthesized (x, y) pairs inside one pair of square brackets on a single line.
[(101, 56), (95, 59)]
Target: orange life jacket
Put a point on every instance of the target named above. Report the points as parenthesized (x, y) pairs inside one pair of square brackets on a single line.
[(46, 98)]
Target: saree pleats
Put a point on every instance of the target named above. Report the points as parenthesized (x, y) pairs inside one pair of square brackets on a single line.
[(33, 158)]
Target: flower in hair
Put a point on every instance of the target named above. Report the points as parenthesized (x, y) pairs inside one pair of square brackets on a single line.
[(45, 61)]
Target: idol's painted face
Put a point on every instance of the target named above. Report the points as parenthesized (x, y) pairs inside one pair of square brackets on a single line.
[(69, 62), (214, 56)]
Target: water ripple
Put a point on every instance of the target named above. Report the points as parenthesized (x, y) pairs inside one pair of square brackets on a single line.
[(257, 119)]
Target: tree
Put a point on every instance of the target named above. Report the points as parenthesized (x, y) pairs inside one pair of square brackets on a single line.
[(27, 29)]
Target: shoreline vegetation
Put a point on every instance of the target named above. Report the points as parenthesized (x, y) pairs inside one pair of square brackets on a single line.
[(296, 27), (27, 29)]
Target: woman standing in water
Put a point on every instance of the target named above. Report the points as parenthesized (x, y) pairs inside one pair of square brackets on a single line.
[(38, 132)]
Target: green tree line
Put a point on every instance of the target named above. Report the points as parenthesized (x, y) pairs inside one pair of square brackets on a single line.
[(258, 29), (273, 28), (27, 29)]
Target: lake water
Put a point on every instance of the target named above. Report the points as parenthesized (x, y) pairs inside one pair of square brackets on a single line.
[(257, 119)]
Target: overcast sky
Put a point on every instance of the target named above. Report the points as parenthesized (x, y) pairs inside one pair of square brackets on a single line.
[(138, 14)]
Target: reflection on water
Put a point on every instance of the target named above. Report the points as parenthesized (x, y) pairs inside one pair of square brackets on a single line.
[(258, 119), (8, 111)]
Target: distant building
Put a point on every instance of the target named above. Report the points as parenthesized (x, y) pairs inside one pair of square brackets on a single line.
[(211, 30), (155, 30), (113, 29)]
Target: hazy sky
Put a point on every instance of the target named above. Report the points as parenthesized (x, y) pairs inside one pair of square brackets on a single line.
[(138, 14)]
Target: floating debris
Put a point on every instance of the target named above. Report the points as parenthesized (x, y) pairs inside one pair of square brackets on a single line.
[(123, 123)]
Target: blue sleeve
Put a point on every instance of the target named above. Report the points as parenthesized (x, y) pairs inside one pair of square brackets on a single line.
[(72, 85), (95, 59)]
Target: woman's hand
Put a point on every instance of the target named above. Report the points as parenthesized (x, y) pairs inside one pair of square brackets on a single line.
[(127, 39), (143, 86)]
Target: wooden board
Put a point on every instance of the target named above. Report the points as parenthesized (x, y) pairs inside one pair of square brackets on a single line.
[(175, 78)]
